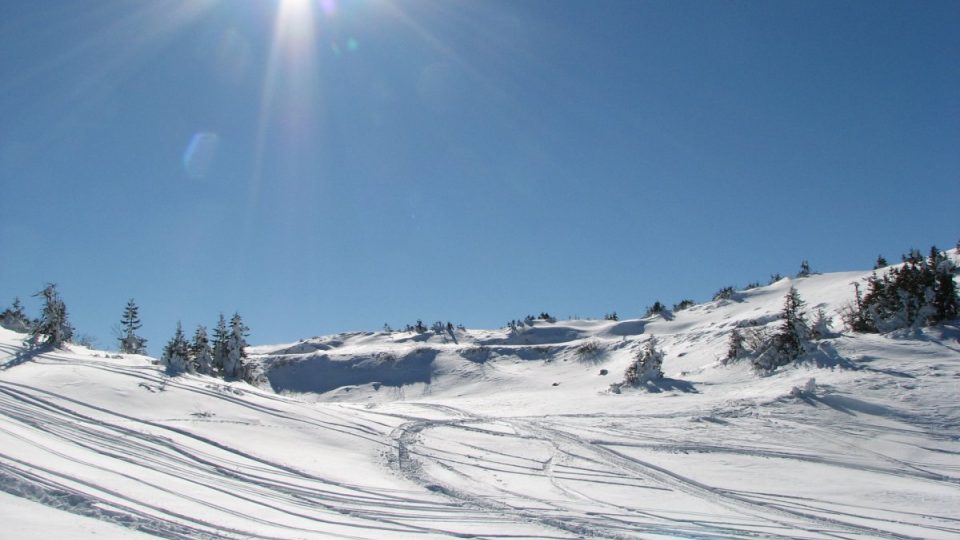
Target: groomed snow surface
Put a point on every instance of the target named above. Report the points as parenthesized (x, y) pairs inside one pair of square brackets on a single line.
[(493, 434)]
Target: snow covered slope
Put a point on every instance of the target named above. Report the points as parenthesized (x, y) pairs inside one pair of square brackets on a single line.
[(496, 434)]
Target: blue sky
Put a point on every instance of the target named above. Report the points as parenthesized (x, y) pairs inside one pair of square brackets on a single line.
[(325, 166)]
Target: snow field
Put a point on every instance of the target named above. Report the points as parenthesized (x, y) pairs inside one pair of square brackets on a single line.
[(498, 434)]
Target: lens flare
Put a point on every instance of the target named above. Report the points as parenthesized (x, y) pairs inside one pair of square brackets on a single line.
[(200, 154)]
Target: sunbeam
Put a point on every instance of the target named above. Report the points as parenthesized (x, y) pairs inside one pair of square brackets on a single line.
[(290, 86)]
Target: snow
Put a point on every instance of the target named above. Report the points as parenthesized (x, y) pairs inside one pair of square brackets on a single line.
[(497, 434), (34, 521)]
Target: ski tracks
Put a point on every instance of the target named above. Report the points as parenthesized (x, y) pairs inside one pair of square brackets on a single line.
[(580, 513)]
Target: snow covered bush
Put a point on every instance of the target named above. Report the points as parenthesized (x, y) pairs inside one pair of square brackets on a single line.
[(588, 350), (647, 366), (820, 327)]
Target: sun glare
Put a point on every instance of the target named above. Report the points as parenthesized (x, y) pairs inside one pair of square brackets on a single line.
[(292, 65)]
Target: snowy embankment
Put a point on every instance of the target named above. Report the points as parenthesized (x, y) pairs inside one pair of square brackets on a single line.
[(496, 434)]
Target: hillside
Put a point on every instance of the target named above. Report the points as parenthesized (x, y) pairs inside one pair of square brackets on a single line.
[(498, 434)]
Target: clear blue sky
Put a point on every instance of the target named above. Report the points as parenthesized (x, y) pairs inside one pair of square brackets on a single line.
[(332, 165)]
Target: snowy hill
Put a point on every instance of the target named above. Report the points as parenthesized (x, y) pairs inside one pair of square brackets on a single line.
[(498, 433)]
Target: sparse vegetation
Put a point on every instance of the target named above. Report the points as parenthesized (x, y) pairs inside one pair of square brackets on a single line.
[(588, 349), (656, 309), (726, 293)]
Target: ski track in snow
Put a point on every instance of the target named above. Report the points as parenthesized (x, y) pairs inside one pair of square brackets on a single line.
[(413, 448), (209, 464)]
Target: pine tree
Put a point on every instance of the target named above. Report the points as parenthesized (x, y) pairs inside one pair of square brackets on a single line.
[(725, 293), (233, 367), (856, 316), (220, 338), (130, 342), (15, 319), (54, 327), (946, 303), (176, 354), (881, 263), (787, 344), (804, 269), (200, 352), (921, 291), (656, 309), (735, 346), (794, 329)]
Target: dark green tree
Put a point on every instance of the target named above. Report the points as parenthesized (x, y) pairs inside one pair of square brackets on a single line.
[(946, 304), (130, 342), (14, 318), (656, 309)]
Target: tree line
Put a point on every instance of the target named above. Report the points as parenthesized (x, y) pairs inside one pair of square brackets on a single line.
[(223, 356)]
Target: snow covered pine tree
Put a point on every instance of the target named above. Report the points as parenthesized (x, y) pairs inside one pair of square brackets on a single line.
[(200, 352), (236, 349), (53, 328), (220, 337), (14, 318), (176, 355)]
